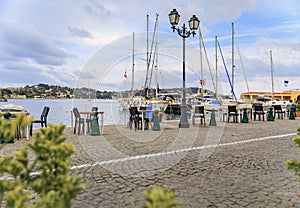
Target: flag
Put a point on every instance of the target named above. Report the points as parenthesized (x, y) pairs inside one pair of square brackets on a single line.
[(125, 75), (202, 82), (286, 83)]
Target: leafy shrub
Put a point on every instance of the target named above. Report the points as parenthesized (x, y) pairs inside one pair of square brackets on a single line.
[(8, 126), (294, 164), (43, 181), (160, 198)]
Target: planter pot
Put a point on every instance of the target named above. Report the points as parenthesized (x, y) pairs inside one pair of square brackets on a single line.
[(297, 113)]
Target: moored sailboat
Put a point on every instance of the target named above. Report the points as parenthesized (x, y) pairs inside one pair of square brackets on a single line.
[(146, 96)]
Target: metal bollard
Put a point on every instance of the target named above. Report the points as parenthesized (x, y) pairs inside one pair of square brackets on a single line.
[(292, 112), (156, 125), (95, 125), (213, 118), (245, 116), (270, 114)]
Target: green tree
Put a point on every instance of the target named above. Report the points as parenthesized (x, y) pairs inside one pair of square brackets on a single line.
[(44, 176)]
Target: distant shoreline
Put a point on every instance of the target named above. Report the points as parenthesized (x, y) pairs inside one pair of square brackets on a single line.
[(58, 99)]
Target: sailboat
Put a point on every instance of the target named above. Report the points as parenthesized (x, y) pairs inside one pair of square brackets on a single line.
[(203, 95), (272, 100), (147, 99), (233, 98), (132, 100), (216, 100), (267, 99), (89, 91)]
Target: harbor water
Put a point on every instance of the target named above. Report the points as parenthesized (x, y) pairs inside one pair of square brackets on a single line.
[(60, 109)]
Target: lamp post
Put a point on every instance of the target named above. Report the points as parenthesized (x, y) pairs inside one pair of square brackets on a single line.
[(184, 33)]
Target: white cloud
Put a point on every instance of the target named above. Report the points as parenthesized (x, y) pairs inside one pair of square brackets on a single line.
[(23, 42), (81, 33), (219, 11)]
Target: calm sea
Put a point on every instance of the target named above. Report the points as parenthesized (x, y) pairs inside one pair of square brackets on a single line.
[(60, 109)]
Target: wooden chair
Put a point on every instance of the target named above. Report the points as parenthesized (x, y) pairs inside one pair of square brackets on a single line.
[(199, 113), (172, 110), (258, 110), (94, 109), (134, 118), (232, 112), (43, 120), (79, 122), (278, 110)]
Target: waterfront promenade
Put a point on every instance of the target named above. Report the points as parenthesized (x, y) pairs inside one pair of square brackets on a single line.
[(228, 165)]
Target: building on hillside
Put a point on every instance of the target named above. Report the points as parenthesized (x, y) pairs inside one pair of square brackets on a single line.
[(293, 95)]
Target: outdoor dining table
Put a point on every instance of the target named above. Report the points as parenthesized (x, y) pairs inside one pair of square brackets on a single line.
[(87, 114), (19, 113), (245, 107)]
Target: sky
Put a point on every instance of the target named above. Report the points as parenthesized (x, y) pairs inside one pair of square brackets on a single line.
[(89, 43)]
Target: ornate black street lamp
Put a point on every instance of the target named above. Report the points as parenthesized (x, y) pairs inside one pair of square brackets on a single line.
[(184, 33)]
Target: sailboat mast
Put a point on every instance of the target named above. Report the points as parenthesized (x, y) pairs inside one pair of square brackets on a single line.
[(232, 58), (147, 26), (240, 57), (272, 74), (147, 59), (207, 61), (156, 59), (132, 77), (201, 63), (216, 46)]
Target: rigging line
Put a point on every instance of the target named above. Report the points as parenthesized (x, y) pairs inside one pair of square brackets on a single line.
[(272, 74), (226, 71), (207, 60), (151, 72), (147, 53), (156, 47), (156, 66), (132, 78), (151, 51), (242, 64), (201, 64)]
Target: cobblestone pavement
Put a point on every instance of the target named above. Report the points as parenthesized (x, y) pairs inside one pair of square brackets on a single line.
[(228, 165)]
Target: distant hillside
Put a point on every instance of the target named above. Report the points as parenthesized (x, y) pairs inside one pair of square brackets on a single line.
[(58, 92), (54, 92)]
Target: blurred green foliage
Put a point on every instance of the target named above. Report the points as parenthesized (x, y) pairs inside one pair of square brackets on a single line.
[(42, 180), (293, 164), (160, 198)]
